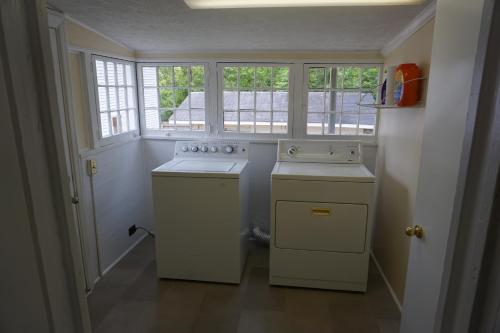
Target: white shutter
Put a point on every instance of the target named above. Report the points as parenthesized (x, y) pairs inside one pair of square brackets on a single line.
[(116, 92), (152, 119)]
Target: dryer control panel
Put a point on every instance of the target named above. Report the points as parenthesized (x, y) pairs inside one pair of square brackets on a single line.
[(321, 151), (211, 149)]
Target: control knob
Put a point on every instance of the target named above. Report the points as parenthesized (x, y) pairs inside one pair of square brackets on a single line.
[(194, 149), (185, 148), (292, 151), (228, 149), (204, 149), (213, 149)]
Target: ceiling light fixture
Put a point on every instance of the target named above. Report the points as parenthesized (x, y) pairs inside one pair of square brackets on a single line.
[(211, 4)]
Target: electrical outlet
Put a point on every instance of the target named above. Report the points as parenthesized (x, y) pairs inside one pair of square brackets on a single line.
[(132, 230), (92, 167)]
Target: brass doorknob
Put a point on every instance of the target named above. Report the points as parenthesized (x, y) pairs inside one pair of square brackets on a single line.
[(416, 231)]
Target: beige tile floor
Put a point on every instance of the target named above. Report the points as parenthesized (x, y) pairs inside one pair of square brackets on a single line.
[(131, 299)]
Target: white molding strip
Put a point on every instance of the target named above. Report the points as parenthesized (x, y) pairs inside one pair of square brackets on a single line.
[(418, 22), (391, 291), (114, 263), (72, 19), (224, 58), (88, 152), (77, 49), (56, 18)]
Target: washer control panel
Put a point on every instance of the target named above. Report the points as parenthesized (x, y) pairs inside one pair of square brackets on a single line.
[(321, 151), (211, 149)]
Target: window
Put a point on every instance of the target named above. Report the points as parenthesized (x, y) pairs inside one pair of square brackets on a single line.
[(173, 97), (335, 98), (115, 91), (254, 98)]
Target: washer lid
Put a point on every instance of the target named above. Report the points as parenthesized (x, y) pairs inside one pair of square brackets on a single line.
[(203, 166), (323, 171)]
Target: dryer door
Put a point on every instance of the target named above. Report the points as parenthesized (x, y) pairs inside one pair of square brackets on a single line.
[(320, 226)]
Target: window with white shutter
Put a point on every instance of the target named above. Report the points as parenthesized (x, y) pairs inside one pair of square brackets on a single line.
[(116, 92)]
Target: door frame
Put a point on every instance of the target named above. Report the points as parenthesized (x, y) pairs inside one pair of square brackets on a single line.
[(470, 212), (56, 21), (66, 136), (480, 169), (28, 72)]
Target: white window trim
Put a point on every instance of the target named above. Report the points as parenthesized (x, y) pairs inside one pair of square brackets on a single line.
[(209, 123), (92, 88), (297, 114), (220, 102), (304, 94)]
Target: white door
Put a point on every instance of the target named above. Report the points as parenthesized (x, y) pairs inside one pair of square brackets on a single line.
[(456, 56), (70, 148)]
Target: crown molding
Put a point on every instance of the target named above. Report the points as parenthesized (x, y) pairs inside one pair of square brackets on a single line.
[(418, 22), (72, 19), (78, 49), (55, 18)]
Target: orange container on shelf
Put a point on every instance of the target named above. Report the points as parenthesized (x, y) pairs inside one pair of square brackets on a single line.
[(407, 85)]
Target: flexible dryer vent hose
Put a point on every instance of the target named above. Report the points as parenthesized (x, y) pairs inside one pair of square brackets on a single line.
[(260, 235)]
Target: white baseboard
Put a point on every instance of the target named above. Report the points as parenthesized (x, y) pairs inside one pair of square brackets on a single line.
[(113, 264), (391, 291)]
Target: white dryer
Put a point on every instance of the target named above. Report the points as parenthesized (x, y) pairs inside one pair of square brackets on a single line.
[(201, 211), (321, 215)]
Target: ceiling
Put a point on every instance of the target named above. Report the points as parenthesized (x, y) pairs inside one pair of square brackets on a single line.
[(171, 26)]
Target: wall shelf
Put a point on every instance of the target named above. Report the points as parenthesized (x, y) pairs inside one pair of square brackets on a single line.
[(419, 104)]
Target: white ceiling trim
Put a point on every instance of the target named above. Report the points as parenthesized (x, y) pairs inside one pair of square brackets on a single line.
[(335, 57), (292, 56), (70, 18), (263, 59), (55, 18), (418, 22), (255, 51), (77, 49)]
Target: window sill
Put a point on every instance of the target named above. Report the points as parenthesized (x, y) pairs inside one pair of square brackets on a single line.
[(366, 142), (208, 138)]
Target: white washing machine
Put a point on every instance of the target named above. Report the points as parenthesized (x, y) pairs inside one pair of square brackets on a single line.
[(201, 211), (321, 215)]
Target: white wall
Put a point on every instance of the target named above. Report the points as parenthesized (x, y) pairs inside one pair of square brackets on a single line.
[(262, 157), (398, 163), (120, 198), (115, 198)]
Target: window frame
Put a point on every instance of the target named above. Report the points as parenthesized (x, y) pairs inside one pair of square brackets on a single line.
[(304, 108), (177, 133), (214, 89), (99, 140), (220, 101)]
